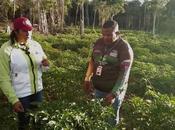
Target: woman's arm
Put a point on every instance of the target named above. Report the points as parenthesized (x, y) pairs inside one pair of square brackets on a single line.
[(5, 80)]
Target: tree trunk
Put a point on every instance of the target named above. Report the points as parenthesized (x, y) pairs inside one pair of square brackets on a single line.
[(39, 17), (129, 22), (14, 8), (132, 20), (62, 14), (76, 17), (52, 16), (144, 19), (87, 14), (31, 15), (140, 21), (112, 17), (46, 31), (157, 22), (154, 22), (44, 25), (82, 19), (94, 19)]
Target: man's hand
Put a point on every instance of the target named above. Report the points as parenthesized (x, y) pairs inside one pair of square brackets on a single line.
[(17, 107), (45, 62), (88, 88), (109, 99)]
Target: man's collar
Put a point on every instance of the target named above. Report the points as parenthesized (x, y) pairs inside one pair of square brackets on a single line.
[(116, 39)]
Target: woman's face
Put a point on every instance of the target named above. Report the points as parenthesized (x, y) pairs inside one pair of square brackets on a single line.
[(22, 36)]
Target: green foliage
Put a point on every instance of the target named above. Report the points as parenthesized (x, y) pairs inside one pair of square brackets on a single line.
[(7, 118), (58, 115), (3, 38), (154, 112), (154, 66)]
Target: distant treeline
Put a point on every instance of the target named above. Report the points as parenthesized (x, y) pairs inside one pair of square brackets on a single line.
[(53, 15)]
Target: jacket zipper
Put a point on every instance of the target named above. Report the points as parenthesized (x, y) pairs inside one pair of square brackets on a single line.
[(31, 62)]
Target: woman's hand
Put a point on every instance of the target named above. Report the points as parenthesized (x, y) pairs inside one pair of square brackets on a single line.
[(45, 62), (18, 107)]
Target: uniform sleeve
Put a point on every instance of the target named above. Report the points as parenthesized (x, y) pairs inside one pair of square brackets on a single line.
[(125, 59), (91, 51), (5, 80)]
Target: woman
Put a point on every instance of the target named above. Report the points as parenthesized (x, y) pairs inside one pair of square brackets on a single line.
[(21, 62)]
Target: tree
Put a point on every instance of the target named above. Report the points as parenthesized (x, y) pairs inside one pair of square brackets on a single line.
[(156, 7), (115, 7), (5, 6), (146, 15), (80, 4), (170, 10), (95, 4), (82, 18), (133, 14), (167, 19), (107, 9)]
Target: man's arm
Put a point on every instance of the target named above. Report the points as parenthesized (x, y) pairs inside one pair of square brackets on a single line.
[(90, 69), (126, 58)]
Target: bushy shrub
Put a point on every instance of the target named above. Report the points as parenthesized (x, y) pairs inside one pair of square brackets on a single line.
[(153, 112), (153, 66), (60, 115)]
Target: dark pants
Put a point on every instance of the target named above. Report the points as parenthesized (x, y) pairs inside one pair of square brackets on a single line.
[(23, 118)]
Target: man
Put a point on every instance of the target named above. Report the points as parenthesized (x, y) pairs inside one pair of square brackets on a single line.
[(109, 67)]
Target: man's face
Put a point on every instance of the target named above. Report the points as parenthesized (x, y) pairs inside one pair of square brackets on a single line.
[(108, 35)]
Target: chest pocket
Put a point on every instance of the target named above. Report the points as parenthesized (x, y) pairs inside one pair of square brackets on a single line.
[(97, 56), (18, 62), (112, 57)]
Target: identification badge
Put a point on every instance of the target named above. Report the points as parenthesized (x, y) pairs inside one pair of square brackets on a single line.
[(99, 70)]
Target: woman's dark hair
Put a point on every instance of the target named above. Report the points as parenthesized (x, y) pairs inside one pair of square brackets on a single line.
[(13, 37)]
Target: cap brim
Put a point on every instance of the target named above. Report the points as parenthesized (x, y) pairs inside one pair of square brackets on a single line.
[(27, 28)]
